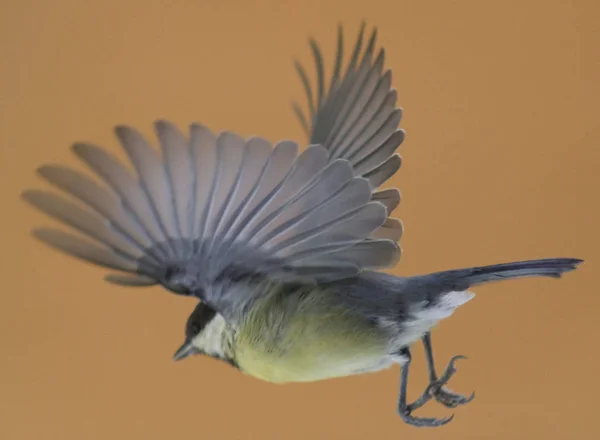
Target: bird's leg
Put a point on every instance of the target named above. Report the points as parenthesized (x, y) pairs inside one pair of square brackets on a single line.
[(404, 409), (436, 387)]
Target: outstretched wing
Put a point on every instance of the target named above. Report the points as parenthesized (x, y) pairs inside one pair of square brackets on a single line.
[(356, 118), (210, 205)]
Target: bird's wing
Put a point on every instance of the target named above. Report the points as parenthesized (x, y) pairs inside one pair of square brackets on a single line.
[(212, 204), (355, 117)]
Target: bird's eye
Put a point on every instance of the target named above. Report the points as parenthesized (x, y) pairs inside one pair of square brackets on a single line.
[(195, 328)]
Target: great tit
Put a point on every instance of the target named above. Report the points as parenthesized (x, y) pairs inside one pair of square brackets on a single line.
[(283, 249)]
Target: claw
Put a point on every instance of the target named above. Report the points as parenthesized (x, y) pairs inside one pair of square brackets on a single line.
[(451, 399), (422, 422), (466, 399), (451, 368)]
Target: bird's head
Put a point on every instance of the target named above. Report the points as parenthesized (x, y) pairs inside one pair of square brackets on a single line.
[(204, 334)]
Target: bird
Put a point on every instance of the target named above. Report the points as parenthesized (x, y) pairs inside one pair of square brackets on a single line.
[(285, 248)]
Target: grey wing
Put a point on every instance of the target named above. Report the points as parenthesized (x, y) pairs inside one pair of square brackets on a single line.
[(355, 117), (212, 204)]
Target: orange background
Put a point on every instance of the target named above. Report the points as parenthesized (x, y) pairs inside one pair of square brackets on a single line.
[(501, 163)]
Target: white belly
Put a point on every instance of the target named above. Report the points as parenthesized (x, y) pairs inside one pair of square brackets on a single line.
[(423, 318)]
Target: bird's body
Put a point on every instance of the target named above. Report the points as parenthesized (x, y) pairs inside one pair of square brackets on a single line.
[(303, 333)]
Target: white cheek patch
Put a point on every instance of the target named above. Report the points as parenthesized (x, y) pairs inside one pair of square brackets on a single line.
[(210, 340)]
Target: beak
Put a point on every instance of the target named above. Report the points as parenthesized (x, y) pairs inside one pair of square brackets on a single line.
[(187, 349)]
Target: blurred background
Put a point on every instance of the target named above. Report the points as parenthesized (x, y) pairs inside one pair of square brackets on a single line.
[(501, 163)]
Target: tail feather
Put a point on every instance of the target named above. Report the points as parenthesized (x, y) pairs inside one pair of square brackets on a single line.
[(462, 279), (551, 267)]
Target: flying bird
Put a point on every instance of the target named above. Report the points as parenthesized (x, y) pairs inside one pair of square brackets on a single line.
[(283, 247)]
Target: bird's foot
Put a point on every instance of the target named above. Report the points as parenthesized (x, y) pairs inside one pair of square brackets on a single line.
[(439, 392), (442, 394)]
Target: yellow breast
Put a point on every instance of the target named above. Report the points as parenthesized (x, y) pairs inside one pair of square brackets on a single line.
[(309, 340), (308, 367)]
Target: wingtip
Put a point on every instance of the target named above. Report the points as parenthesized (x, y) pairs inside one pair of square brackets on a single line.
[(43, 170), (122, 131), (196, 125), (41, 233), (374, 34), (162, 123), (79, 147), (28, 194), (26, 197)]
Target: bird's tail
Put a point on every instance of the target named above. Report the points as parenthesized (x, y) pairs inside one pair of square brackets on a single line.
[(550, 267)]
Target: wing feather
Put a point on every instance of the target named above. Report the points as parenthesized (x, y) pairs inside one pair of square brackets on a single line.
[(204, 152), (211, 204), (84, 221), (79, 248), (130, 280), (384, 171), (390, 198), (154, 181), (180, 174), (356, 118), (101, 200), (120, 180)]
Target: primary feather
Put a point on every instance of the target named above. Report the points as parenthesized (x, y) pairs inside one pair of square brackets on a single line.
[(356, 117)]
